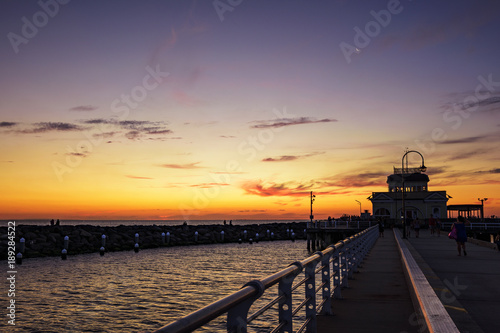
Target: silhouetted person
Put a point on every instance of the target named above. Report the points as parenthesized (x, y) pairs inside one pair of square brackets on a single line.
[(52, 222), (57, 222), (461, 239), (380, 229), (416, 227)]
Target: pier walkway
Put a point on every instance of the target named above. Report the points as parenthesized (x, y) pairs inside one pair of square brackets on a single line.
[(468, 286), (378, 299)]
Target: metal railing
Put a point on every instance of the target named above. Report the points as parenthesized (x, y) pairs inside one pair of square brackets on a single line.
[(474, 226), (335, 264), (340, 224)]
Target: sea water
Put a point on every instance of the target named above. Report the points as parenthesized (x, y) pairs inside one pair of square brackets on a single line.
[(139, 292)]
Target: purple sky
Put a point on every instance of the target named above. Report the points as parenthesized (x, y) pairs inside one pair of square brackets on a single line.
[(427, 77)]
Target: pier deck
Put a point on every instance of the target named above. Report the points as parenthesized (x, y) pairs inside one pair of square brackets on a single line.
[(378, 299)]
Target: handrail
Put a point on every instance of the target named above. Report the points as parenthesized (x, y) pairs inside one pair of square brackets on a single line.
[(473, 225), (338, 262), (341, 224)]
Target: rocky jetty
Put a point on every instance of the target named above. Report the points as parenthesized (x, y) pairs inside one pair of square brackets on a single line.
[(43, 241)]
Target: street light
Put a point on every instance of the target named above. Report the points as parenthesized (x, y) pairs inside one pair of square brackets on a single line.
[(422, 169), (482, 207), (359, 208), (312, 200)]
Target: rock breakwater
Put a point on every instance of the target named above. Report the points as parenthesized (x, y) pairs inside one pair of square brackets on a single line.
[(43, 241)]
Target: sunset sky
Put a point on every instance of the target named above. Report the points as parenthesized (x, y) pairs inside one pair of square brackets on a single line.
[(238, 109)]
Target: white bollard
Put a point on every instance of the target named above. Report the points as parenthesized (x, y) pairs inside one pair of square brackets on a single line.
[(137, 238), (102, 250), (244, 235), (103, 240), (136, 247), (64, 254), (272, 235), (66, 242), (268, 235), (19, 258), (293, 237), (162, 238), (288, 233), (222, 236), (250, 241), (257, 237), (168, 237), (196, 236), (22, 245)]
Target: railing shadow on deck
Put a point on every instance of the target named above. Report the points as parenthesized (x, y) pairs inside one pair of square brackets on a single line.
[(335, 265)]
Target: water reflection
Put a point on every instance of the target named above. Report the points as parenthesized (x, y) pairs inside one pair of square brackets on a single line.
[(131, 292)]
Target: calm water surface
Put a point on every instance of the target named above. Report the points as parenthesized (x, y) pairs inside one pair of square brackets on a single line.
[(134, 292)]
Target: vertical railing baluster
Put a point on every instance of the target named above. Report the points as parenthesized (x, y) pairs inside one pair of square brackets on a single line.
[(310, 274), (285, 309), (237, 316), (336, 273), (326, 290)]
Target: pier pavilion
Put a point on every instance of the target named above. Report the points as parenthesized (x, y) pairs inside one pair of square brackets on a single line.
[(420, 202)]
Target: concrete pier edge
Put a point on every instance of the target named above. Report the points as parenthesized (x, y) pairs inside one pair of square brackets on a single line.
[(428, 306)]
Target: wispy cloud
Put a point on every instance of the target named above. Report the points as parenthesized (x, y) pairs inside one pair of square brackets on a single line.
[(282, 158), (137, 177), (467, 154), (209, 185), (84, 108), (7, 124), (52, 126), (289, 189), (272, 189), (357, 179), (182, 166), (493, 171), (470, 139), (457, 102), (286, 158), (290, 122)]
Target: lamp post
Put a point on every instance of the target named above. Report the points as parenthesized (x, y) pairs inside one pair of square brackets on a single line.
[(359, 208), (312, 200), (482, 207), (422, 169)]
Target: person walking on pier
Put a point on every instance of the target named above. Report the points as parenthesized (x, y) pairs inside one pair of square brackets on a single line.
[(438, 227), (380, 229), (432, 224), (459, 225), (416, 227)]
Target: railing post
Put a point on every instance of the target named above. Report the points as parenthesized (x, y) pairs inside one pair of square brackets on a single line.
[(326, 290), (337, 278), (343, 266), (285, 304), (237, 316), (310, 275), (350, 255)]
